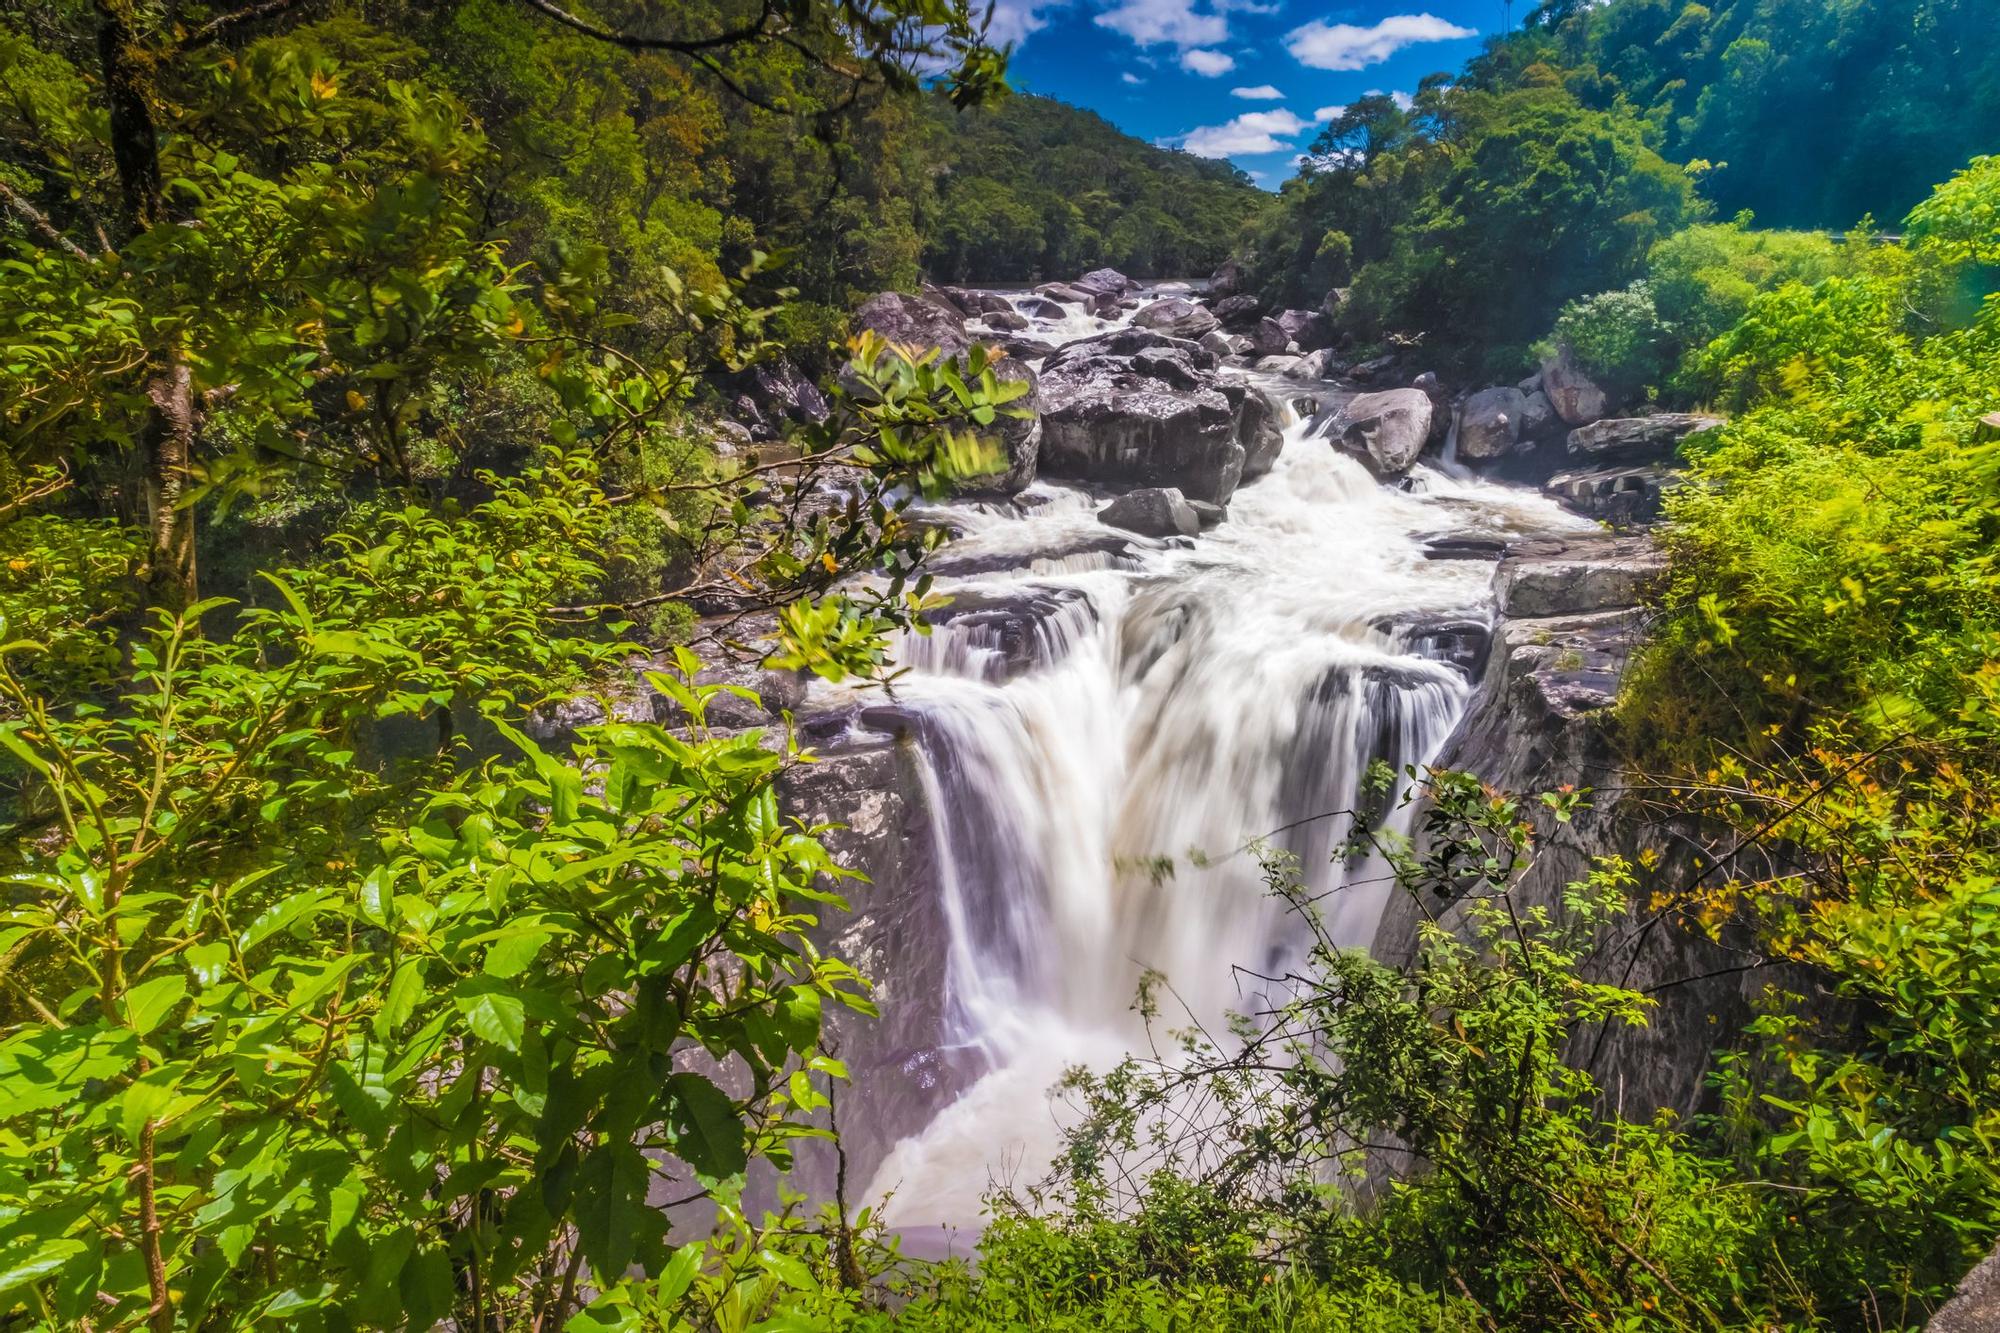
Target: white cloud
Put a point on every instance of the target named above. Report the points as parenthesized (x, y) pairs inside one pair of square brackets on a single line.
[(1013, 20), (1326, 115), (1251, 132), (1324, 45), (1208, 64), (1131, 78), (1402, 100), (1263, 92), (1165, 22)]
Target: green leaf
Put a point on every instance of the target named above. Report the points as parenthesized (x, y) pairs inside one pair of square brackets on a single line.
[(611, 1213), (510, 955), (148, 1004), (492, 1013), (28, 1266), (46, 1067), (708, 1135)]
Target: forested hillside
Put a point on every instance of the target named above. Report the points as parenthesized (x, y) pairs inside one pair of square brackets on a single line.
[(1034, 189)]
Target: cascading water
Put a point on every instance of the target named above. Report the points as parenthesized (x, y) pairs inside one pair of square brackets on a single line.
[(1105, 732)]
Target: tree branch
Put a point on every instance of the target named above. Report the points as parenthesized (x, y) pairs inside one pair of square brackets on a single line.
[(38, 221)]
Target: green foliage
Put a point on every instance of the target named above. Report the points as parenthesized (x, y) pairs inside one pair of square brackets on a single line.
[(1033, 189), (1618, 337)]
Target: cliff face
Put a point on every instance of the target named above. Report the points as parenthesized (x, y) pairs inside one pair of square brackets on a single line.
[(1571, 618)]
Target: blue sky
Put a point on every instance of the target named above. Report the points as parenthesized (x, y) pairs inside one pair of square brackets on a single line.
[(1246, 80)]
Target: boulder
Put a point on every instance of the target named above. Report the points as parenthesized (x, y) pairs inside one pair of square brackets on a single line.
[(1238, 312), (1153, 511), (1489, 424), (1431, 387), (1576, 398), (1105, 282), (1579, 576), (1219, 344), (1257, 427), (1039, 307), (1632, 439), (1538, 416), (1175, 315), (975, 302), (1067, 294), (1308, 328), (772, 394), (1318, 365), (1268, 338), (913, 322), (1029, 349), (1368, 372), (1975, 1306), (1620, 496), (1208, 514), (1169, 365), (1104, 421), (1330, 304), (1531, 385), (1226, 281), (1127, 342), (1005, 321), (1276, 365), (1388, 430)]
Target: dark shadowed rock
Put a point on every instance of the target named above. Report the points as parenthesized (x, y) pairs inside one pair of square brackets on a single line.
[(1155, 511), (1432, 388), (1489, 424), (1319, 365), (974, 302), (1238, 312), (1256, 427), (1308, 328), (1371, 372), (912, 322), (1575, 396), (1226, 281), (1621, 496), (1538, 416), (1633, 439), (1330, 304), (1169, 365), (1175, 315), (1127, 342), (1208, 514), (1387, 430), (1219, 344), (1067, 293), (1268, 338), (1006, 321), (1039, 307)]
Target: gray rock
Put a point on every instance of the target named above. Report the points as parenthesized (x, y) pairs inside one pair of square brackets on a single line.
[(1238, 312), (1318, 365), (1128, 342), (1107, 422), (974, 302), (1105, 282), (1256, 428), (1432, 388), (1028, 349), (1276, 365), (1219, 344), (1209, 514), (913, 322), (1039, 307), (1580, 577), (1369, 372), (1531, 385), (1975, 1308), (1155, 511), (1538, 417), (772, 393), (1169, 365), (1575, 396), (1175, 315), (1308, 328), (1489, 424), (1227, 280), (1621, 496), (1330, 304), (1268, 337), (1388, 430), (1006, 321), (1067, 293), (1635, 438)]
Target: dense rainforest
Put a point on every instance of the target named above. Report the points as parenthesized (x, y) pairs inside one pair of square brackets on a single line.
[(366, 373)]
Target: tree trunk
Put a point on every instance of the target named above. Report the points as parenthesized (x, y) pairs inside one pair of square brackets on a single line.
[(169, 441)]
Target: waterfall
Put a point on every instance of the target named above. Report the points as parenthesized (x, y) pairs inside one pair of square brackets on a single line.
[(1106, 736)]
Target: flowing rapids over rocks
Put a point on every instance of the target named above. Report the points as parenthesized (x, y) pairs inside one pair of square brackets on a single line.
[(1110, 726)]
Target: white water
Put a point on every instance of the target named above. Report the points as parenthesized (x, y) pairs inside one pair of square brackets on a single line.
[(1185, 699)]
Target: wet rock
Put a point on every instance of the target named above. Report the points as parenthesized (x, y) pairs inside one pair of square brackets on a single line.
[(1004, 633), (1005, 321), (1256, 428), (1635, 438), (1464, 548), (1160, 511), (1028, 349), (1308, 328), (1175, 315), (912, 322), (956, 561), (1209, 515), (1067, 293), (1169, 365), (1127, 342), (1388, 430), (971, 301), (1276, 365), (1461, 644), (1575, 396), (1489, 424), (1219, 344), (1238, 312), (1369, 372), (1040, 307)]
